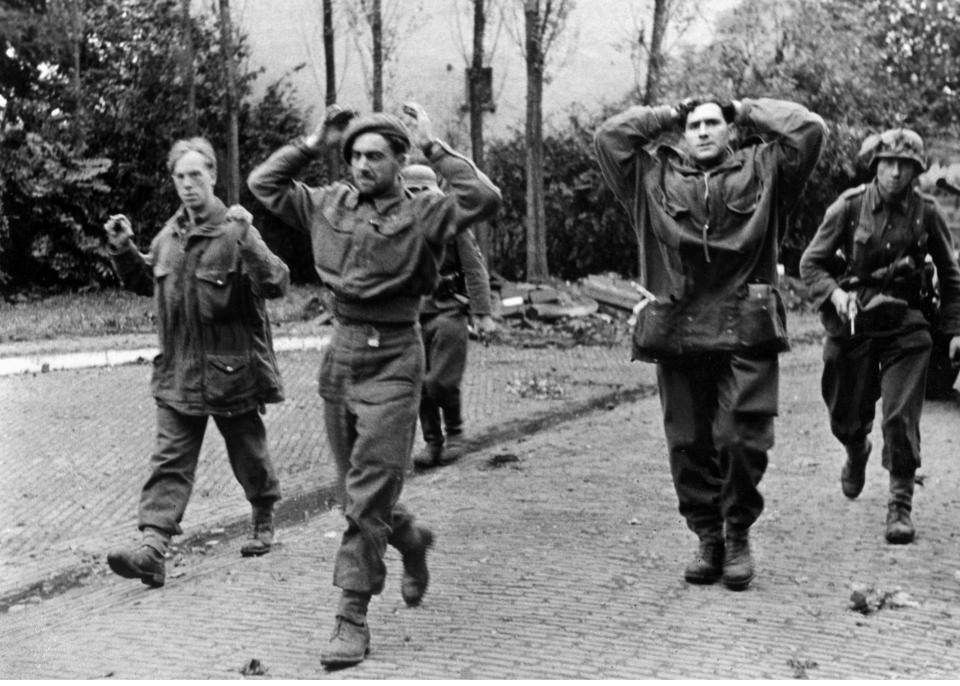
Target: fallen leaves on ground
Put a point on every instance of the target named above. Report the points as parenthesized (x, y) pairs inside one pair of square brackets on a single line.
[(540, 387), (868, 599)]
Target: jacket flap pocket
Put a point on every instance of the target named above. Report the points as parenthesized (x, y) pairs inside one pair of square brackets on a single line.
[(216, 277), (228, 364)]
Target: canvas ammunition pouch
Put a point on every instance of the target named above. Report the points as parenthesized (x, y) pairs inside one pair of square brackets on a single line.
[(753, 320)]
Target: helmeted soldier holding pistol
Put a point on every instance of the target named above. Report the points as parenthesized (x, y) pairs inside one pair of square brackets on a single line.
[(871, 300)]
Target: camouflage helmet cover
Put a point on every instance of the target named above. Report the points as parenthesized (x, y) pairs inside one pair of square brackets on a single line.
[(904, 144)]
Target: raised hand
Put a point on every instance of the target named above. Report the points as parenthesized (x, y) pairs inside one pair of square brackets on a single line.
[(419, 124), (119, 231)]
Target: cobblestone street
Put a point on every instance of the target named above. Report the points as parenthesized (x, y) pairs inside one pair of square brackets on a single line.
[(563, 563)]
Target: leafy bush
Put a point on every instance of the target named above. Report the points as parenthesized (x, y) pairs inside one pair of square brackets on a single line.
[(78, 146), (587, 229)]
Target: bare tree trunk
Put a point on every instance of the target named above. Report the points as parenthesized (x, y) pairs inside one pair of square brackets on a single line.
[(376, 27), (188, 69), (536, 216), (661, 13), (328, 62), (233, 132), (476, 81), (482, 230), (76, 43)]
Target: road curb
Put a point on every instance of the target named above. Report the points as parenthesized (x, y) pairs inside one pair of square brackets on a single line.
[(43, 363)]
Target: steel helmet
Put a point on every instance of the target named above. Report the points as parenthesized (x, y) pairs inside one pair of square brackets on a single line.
[(904, 144)]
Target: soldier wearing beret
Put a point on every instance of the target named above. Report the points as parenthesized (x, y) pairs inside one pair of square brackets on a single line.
[(878, 340), (378, 249)]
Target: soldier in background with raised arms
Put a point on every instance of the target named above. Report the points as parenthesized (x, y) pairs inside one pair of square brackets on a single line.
[(709, 219), (378, 249), (878, 340)]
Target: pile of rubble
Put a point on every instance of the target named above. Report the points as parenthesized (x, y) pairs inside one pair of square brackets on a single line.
[(594, 311)]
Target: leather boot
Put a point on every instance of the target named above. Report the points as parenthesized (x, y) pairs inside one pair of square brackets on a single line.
[(737, 561), (144, 562), (261, 536), (430, 456), (707, 566), (899, 525), (853, 474), (415, 573), (432, 429), (349, 644), (453, 448)]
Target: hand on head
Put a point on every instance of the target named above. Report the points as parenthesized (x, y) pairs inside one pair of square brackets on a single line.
[(419, 124)]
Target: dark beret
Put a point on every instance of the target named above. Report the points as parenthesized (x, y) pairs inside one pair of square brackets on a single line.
[(386, 125)]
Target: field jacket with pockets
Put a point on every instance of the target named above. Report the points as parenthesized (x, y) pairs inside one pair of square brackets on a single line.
[(709, 238), (377, 255), (216, 349)]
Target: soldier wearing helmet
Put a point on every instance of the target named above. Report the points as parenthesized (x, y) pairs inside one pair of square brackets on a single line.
[(878, 341)]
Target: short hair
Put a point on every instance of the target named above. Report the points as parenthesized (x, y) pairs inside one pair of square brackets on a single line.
[(196, 144), (727, 108)]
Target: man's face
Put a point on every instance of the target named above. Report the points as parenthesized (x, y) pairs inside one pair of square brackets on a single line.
[(194, 180), (706, 133), (374, 166), (895, 174)]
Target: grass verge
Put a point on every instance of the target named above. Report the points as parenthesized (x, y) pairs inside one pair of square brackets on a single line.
[(110, 312)]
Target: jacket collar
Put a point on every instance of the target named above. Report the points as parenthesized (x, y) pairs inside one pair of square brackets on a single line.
[(382, 203), (208, 222), (682, 161), (877, 202)]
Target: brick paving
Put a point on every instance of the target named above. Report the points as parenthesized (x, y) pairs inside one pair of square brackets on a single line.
[(563, 564), (76, 443)]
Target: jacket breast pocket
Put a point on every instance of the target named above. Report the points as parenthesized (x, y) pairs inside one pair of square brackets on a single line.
[(392, 245), (741, 193), (227, 379), (215, 292)]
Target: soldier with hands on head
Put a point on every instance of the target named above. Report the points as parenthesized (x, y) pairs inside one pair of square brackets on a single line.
[(209, 272), (463, 292), (709, 219), (878, 340), (378, 249)]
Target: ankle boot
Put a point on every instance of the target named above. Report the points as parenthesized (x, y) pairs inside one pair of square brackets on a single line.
[(261, 535), (707, 566), (432, 429), (899, 524), (737, 561), (144, 562), (853, 474), (416, 576)]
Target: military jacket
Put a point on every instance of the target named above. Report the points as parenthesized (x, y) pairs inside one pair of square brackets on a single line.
[(378, 256), (872, 234), (216, 348), (709, 238)]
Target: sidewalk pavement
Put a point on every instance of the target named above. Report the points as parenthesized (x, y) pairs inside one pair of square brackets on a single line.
[(76, 443)]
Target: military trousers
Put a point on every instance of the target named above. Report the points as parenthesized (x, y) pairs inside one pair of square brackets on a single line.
[(164, 497), (370, 381), (858, 371), (718, 415), (445, 342)]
